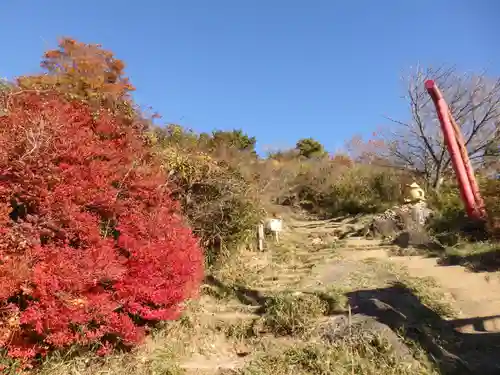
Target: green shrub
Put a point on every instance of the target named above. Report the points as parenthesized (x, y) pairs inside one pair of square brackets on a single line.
[(450, 214), (329, 188), (490, 190), (236, 139), (220, 204), (309, 148)]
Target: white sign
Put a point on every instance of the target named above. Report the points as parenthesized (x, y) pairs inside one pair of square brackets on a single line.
[(275, 225)]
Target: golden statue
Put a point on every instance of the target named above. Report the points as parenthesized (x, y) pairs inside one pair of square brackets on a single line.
[(416, 193)]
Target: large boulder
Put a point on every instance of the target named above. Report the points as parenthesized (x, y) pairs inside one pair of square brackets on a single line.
[(417, 238), (364, 330), (400, 218)]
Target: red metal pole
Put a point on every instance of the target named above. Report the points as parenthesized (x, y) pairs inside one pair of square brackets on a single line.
[(453, 148), (468, 168)]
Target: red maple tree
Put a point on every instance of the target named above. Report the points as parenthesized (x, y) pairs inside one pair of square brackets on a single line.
[(91, 244)]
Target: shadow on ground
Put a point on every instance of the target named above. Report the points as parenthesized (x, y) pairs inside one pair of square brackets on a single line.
[(487, 261), (396, 307), (418, 240), (420, 243), (453, 352), (251, 297), (244, 295)]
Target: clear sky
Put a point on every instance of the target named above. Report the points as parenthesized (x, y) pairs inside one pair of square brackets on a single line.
[(280, 70)]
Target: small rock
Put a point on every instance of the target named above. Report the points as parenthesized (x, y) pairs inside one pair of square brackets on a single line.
[(317, 241), (242, 350)]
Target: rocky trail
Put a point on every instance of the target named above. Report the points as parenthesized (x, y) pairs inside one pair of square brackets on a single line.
[(451, 312), (475, 294), (473, 332)]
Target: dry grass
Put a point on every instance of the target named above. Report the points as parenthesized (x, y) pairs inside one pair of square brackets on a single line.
[(353, 355), (373, 273), (477, 257), (430, 295), (293, 314), (162, 352)]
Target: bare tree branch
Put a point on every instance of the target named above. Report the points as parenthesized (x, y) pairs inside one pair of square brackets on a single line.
[(474, 102)]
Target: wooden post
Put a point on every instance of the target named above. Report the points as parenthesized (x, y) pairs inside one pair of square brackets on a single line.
[(260, 236)]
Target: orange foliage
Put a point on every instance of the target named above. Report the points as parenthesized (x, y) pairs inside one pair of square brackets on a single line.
[(367, 152), (342, 160), (84, 72)]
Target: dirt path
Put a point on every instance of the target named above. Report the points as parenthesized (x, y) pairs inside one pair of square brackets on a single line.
[(314, 259), (476, 295)]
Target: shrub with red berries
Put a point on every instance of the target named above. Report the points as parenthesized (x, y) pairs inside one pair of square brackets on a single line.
[(92, 247)]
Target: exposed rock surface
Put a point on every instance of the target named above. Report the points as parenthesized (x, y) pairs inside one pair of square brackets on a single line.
[(366, 328)]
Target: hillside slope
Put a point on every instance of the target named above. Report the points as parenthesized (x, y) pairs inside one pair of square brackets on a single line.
[(318, 305)]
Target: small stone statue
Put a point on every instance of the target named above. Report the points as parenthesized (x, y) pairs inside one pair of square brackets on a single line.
[(416, 200), (416, 194)]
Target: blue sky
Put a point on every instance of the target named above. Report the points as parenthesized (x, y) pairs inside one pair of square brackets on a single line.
[(280, 70)]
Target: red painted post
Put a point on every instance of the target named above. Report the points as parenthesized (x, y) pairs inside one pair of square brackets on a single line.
[(454, 150), (468, 168)]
